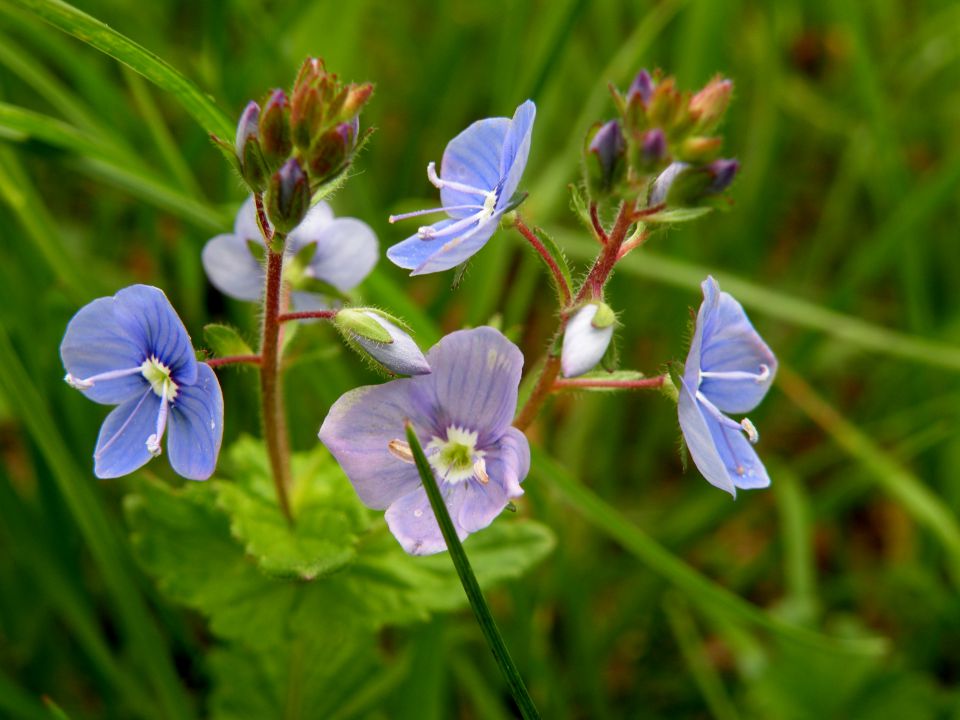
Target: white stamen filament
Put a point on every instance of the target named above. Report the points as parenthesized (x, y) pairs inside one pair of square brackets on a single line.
[(481, 217), (153, 442), (431, 211), (759, 378), (86, 383), (439, 183)]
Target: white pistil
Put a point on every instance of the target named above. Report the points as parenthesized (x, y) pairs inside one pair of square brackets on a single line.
[(153, 442), (158, 375)]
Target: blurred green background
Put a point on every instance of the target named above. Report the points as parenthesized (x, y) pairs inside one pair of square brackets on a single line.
[(841, 243)]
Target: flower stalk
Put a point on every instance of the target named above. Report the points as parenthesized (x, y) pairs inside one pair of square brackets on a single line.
[(307, 315), (548, 258), (271, 390), (469, 581), (233, 360), (593, 382)]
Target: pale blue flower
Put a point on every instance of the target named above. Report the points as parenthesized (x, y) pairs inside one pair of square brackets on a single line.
[(132, 350), (479, 173), (728, 370), (461, 413), (346, 249)]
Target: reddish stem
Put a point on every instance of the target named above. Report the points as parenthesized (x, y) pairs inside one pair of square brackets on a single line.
[(307, 315), (582, 383), (551, 368), (233, 360), (602, 267), (271, 391), (551, 261), (597, 225)]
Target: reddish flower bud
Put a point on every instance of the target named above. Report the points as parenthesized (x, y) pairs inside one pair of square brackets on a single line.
[(275, 134), (288, 197)]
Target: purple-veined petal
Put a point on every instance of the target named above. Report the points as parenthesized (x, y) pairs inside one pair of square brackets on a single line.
[(473, 158), (96, 343), (730, 345), (232, 268), (476, 374), (122, 444), (347, 250), (414, 251), (461, 248), (358, 431), (412, 522), (145, 313), (516, 148), (507, 464), (402, 356), (583, 344), (700, 443), (196, 426)]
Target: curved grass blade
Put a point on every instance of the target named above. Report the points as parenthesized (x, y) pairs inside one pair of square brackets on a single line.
[(698, 589), (97, 34)]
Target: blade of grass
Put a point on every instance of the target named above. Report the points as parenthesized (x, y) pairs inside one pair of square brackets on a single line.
[(88, 29), (99, 532), (680, 273), (698, 588), (922, 504), (469, 581)]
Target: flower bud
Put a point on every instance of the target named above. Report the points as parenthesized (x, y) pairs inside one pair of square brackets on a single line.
[(249, 155), (333, 151), (603, 157), (357, 97), (708, 106), (376, 335), (586, 338), (651, 152), (288, 197), (699, 149), (641, 88), (275, 135), (685, 185), (722, 173)]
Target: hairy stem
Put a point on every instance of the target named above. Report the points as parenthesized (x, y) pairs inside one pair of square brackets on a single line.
[(586, 383), (551, 261), (271, 390), (233, 360), (307, 315)]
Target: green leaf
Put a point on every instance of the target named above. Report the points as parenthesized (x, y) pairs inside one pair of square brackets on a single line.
[(676, 215), (225, 340), (107, 40), (559, 257), (328, 515), (578, 203)]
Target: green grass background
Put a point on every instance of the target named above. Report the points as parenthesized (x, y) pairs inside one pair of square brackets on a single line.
[(841, 243)]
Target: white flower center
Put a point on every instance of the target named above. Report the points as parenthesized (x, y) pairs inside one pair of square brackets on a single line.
[(158, 375), (456, 458)]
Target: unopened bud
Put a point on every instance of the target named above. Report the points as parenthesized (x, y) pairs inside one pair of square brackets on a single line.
[(275, 135), (333, 151), (652, 151), (708, 106), (603, 157), (641, 88), (288, 197), (722, 173), (586, 338), (382, 341), (699, 149), (249, 155), (685, 185), (357, 97)]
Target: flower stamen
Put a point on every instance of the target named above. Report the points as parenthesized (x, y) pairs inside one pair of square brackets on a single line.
[(758, 377), (87, 383), (440, 183)]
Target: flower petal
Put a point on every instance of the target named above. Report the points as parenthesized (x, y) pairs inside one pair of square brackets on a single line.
[(96, 343), (700, 442), (516, 148), (146, 314), (476, 374), (402, 356), (347, 250), (583, 344), (122, 444), (312, 227), (413, 524), (730, 344), (473, 158), (196, 426), (309, 302), (414, 251), (245, 226), (358, 431), (232, 268), (459, 249)]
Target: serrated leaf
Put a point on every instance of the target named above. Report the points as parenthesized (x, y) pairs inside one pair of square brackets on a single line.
[(676, 215), (225, 341), (328, 515)]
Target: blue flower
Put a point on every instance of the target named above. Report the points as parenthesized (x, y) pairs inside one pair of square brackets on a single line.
[(479, 174), (728, 370), (461, 412), (345, 252), (132, 350)]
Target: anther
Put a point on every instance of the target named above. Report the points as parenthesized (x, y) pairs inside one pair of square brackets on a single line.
[(748, 427), (480, 470), (400, 450)]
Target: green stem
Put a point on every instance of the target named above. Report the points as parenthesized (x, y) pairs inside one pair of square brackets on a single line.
[(470, 585)]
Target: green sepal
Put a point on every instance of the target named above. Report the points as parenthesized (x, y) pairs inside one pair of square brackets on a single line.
[(358, 323), (578, 203), (258, 250), (604, 317), (516, 200), (225, 341), (674, 216)]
